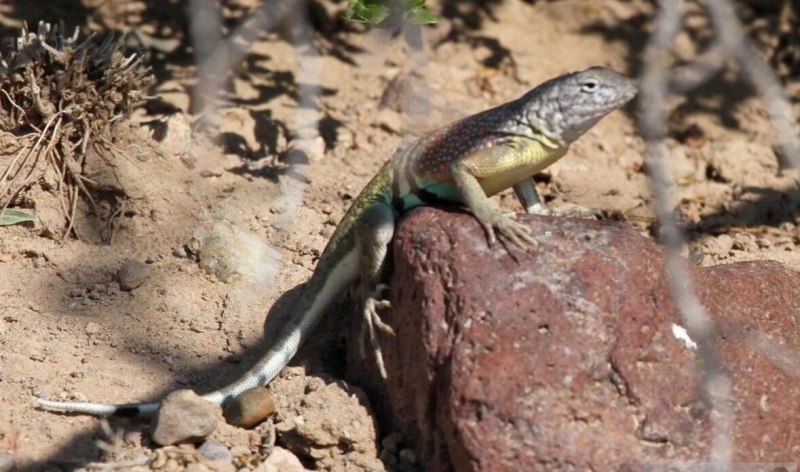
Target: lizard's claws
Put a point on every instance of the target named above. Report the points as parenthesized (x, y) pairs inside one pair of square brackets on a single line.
[(519, 234), (373, 322), (577, 211)]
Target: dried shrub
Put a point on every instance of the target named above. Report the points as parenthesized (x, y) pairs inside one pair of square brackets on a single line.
[(60, 96)]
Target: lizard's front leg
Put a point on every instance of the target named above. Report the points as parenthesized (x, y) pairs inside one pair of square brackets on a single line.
[(374, 231), (474, 197)]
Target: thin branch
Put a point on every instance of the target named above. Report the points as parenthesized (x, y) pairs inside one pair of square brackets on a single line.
[(690, 76), (737, 45), (653, 124), (228, 54)]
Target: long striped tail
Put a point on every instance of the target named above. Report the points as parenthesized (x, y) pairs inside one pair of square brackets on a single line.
[(322, 290)]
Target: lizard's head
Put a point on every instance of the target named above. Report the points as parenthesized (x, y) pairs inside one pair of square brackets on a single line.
[(566, 107)]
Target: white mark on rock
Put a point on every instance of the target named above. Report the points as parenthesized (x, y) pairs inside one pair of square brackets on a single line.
[(682, 335)]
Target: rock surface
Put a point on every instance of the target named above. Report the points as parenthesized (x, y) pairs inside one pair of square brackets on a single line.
[(570, 356), (184, 417)]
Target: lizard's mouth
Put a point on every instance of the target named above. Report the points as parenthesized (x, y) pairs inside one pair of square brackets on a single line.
[(629, 94)]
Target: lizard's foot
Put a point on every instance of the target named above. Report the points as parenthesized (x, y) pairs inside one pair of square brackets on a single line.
[(519, 234), (538, 209), (535, 209), (373, 322), (577, 211)]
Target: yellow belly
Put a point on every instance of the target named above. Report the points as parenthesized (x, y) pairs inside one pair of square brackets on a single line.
[(532, 164)]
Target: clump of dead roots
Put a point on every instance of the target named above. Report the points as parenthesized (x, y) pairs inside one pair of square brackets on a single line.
[(60, 96)]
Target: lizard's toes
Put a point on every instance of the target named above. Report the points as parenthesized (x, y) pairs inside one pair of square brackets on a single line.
[(371, 323), (491, 238), (380, 289), (539, 209), (371, 317), (380, 304), (577, 211), (519, 234)]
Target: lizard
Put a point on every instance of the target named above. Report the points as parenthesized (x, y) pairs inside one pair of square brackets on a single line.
[(462, 163)]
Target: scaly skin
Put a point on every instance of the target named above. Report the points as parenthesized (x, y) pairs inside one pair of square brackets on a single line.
[(465, 163)]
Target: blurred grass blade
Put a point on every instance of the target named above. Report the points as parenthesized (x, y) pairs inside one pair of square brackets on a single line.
[(375, 12), (12, 217), (366, 11), (420, 14)]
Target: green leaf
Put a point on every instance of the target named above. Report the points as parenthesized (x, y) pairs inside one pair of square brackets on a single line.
[(423, 16), (366, 11), (376, 12), (12, 217)]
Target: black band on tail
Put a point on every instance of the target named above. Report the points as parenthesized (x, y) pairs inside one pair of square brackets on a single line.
[(127, 412)]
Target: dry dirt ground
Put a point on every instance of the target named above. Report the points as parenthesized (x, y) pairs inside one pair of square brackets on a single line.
[(67, 329)]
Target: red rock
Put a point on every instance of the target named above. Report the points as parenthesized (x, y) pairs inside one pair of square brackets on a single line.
[(564, 357)]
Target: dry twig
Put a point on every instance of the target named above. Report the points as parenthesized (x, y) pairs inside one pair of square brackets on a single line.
[(731, 43)]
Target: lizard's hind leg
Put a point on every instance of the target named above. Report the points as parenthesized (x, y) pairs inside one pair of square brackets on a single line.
[(374, 232), (530, 199)]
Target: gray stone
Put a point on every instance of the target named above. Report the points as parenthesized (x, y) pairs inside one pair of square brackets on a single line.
[(214, 450), (7, 462), (132, 274)]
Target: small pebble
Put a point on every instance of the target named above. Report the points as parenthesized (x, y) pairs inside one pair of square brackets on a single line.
[(314, 384), (250, 408), (389, 459), (184, 417), (238, 451), (172, 465), (132, 274), (91, 328), (7, 462), (389, 120), (37, 356), (314, 147), (6, 257), (133, 438), (196, 467), (281, 460), (408, 456), (160, 460), (214, 450), (392, 442), (180, 251)]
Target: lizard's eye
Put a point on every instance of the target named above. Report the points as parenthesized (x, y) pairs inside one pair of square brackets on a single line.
[(589, 85)]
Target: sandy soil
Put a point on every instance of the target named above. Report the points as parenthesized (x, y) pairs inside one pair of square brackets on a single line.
[(67, 329)]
